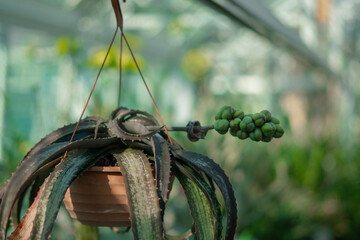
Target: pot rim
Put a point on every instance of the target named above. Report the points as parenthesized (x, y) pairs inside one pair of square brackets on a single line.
[(104, 169)]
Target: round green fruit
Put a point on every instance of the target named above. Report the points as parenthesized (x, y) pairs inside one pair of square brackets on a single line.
[(275, 120), (279, 131), (216, 124), (266, 139), (258, 134), (239, 114), (221, 126), (256, 116), (268, 129), (223, 108), (252, 137), (259, 119), (259, 122), (242, 135), (233, 132), (246, 120), (235, 124), (267, 115), (250, 127), (219, 113), (228, 113)]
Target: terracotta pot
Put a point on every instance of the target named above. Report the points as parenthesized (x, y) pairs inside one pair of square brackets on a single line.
[(98, 198)]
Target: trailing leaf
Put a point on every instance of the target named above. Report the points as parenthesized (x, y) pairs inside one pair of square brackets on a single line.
[(116, 130), (61, 134), (126, 124), (142, 196), (15, 213), (2, 190), (201, 200), (34, 189), (39, 180), (20, 180), (54, 190), (213, 170), (141, 117), (40, 161), (23, 230), (86, 125), (209, 192), (162, 166)]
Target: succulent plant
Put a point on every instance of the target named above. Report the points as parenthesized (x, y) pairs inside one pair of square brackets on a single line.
[(135, 140)]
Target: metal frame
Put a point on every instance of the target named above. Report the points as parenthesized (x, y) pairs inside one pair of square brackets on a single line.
[(251, 14), (38, 15), (257, 17)]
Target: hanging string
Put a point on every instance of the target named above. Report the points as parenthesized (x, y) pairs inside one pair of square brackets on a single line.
[(117, 9), (120, 71), (92, 89), (147, 88), (120, 23)]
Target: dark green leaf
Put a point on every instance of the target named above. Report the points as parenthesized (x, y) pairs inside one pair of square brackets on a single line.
[(37, 162), (162, 164), (23, 230), (54, 190), (142, 196), (214, 171), (20, 180), (126, 124), (16, 210), (204, 205), (86, 125)]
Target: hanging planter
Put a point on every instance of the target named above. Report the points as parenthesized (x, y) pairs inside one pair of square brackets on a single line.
[(98, 198), (138, 161), (134, 141)]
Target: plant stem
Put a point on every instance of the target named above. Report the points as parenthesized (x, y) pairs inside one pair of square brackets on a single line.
[(182, 129)]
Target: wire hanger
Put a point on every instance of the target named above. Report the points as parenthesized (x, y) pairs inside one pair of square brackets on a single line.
[(119, 18), (118, 14)]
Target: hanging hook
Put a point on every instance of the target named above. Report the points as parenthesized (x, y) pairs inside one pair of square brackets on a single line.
[(118, 14)]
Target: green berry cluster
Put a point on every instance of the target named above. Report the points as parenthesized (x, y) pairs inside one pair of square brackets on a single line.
[(258, 126)]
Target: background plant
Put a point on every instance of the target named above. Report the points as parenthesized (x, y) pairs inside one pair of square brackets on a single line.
[(322, 114)]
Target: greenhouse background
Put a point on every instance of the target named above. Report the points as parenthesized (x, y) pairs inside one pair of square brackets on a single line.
[(299, 59)]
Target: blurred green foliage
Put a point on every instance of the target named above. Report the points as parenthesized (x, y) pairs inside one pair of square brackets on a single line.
[(303, 186), (288, 190)]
